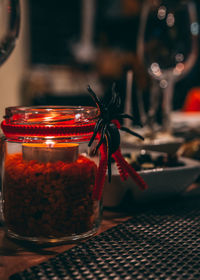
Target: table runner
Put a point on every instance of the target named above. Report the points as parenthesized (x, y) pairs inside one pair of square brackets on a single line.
[(160, 243)]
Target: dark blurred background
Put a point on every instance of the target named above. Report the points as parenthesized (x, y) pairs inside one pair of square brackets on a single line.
[(80, 42)]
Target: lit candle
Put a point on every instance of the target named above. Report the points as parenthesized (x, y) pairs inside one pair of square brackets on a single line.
[(50, 151)]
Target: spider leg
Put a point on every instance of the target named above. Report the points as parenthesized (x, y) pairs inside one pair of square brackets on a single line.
[(114, 103), (126, 116), (117, 101), (131, 132), (96, 129), (102, 137), (120, 117), (114, 95), (109, 143), (96, 99)]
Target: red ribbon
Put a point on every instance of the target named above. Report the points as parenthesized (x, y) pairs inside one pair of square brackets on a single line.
[(101, 173), (124, 168)]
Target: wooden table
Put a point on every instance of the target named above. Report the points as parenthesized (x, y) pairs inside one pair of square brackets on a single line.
[(15, 258)]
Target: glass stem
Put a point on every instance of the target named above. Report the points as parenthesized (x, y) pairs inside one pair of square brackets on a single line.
[(154, 102), (128, 100), (167, 106)]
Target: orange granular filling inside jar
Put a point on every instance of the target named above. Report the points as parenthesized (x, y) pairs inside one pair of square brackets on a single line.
[(49, 199)]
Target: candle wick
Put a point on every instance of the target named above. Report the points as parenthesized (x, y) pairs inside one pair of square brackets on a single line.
[(51, 145)]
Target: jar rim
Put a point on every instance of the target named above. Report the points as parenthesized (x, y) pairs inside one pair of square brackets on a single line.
[(49, 120), (49, 114)]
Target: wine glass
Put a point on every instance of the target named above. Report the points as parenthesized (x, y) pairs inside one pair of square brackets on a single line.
[(9, 27), (168, 47), (9, 31)]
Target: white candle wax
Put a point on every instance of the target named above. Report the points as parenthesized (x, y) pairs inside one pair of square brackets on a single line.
[(50, 152)]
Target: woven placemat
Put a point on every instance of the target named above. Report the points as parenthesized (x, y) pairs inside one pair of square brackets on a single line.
[(162, 243)]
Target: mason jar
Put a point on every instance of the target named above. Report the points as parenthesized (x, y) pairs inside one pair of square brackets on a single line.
[(49, 173)]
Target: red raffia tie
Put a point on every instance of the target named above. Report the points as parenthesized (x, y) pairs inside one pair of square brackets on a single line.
[(101, 173), (124, 168)]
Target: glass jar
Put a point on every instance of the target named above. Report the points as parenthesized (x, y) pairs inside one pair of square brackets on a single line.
[(49, 173)]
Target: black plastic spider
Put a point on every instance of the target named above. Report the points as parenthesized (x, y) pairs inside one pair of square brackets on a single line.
[(108, 130)]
